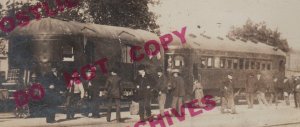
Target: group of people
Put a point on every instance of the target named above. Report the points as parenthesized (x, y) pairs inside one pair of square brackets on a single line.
[(146, 87), (256, 87), (159, 86)]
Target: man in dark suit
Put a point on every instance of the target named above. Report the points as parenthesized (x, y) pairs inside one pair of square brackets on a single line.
[(227, 96), (178, 90), (162, 88), (287, 90), (55, 78), (52, 100), (92, 92), (144, 90), (260, 90), (114, 93)]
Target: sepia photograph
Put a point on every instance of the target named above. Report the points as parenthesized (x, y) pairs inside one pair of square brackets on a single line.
[(149, 63)]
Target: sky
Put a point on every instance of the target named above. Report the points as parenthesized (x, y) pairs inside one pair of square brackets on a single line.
[(216, 17)]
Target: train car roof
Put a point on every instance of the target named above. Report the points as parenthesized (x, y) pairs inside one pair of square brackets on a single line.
[(227, 44), (47, 26), (51, 26), (121, 33)]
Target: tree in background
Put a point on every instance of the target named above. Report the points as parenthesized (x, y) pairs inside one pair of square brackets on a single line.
[(258, 32), (125, 13)]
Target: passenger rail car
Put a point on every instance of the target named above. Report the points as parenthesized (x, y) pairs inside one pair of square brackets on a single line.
[(66, 45), (211, 59)]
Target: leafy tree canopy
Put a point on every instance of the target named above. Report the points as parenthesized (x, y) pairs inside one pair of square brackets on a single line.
[(125, 13), (259, 32)]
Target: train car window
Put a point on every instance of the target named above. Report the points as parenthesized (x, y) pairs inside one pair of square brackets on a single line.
[(179, 61), (229, 63), (247, 64), (269, 66), (257, 65), (202, 62), (252, 65), (68, 53), (13, 75), (263, 66), (241, 64), (235, 63), (217, 61), (209, 62), (222, 63), (169, 63), (126, 54)]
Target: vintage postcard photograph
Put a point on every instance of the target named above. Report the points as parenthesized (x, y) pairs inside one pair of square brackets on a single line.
[(149, 63)]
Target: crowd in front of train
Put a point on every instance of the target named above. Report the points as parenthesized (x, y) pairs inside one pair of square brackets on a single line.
[(146, 88), (266, 93), (159, 86)]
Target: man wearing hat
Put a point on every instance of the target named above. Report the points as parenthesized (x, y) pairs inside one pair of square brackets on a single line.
[(250, 89), (114, 93), (162, 88), (178, 90), (287, 90), (227, 97), (260, 90), (144, 91), (92, 96)]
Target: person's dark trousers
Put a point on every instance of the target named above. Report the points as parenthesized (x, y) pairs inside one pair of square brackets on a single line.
[(144, 104), (117, 103), (73, 102), (95, 105), (295, 99), (50, 116)]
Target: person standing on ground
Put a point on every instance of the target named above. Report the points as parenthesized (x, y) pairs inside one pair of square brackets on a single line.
[(271, 91), (75, 94), (144, 90), (114, 93), (227, 96), (277, 90), (162, 88), (250, 89), (260, 90), (198, 90), (295, 83), (177, 84), (52, 100), (92, 92), (287, 90)]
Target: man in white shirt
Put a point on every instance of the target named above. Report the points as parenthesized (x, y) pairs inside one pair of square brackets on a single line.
[(76, 93)]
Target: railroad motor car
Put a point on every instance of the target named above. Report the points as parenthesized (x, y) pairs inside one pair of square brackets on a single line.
[(67, 45), (210, 60)]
